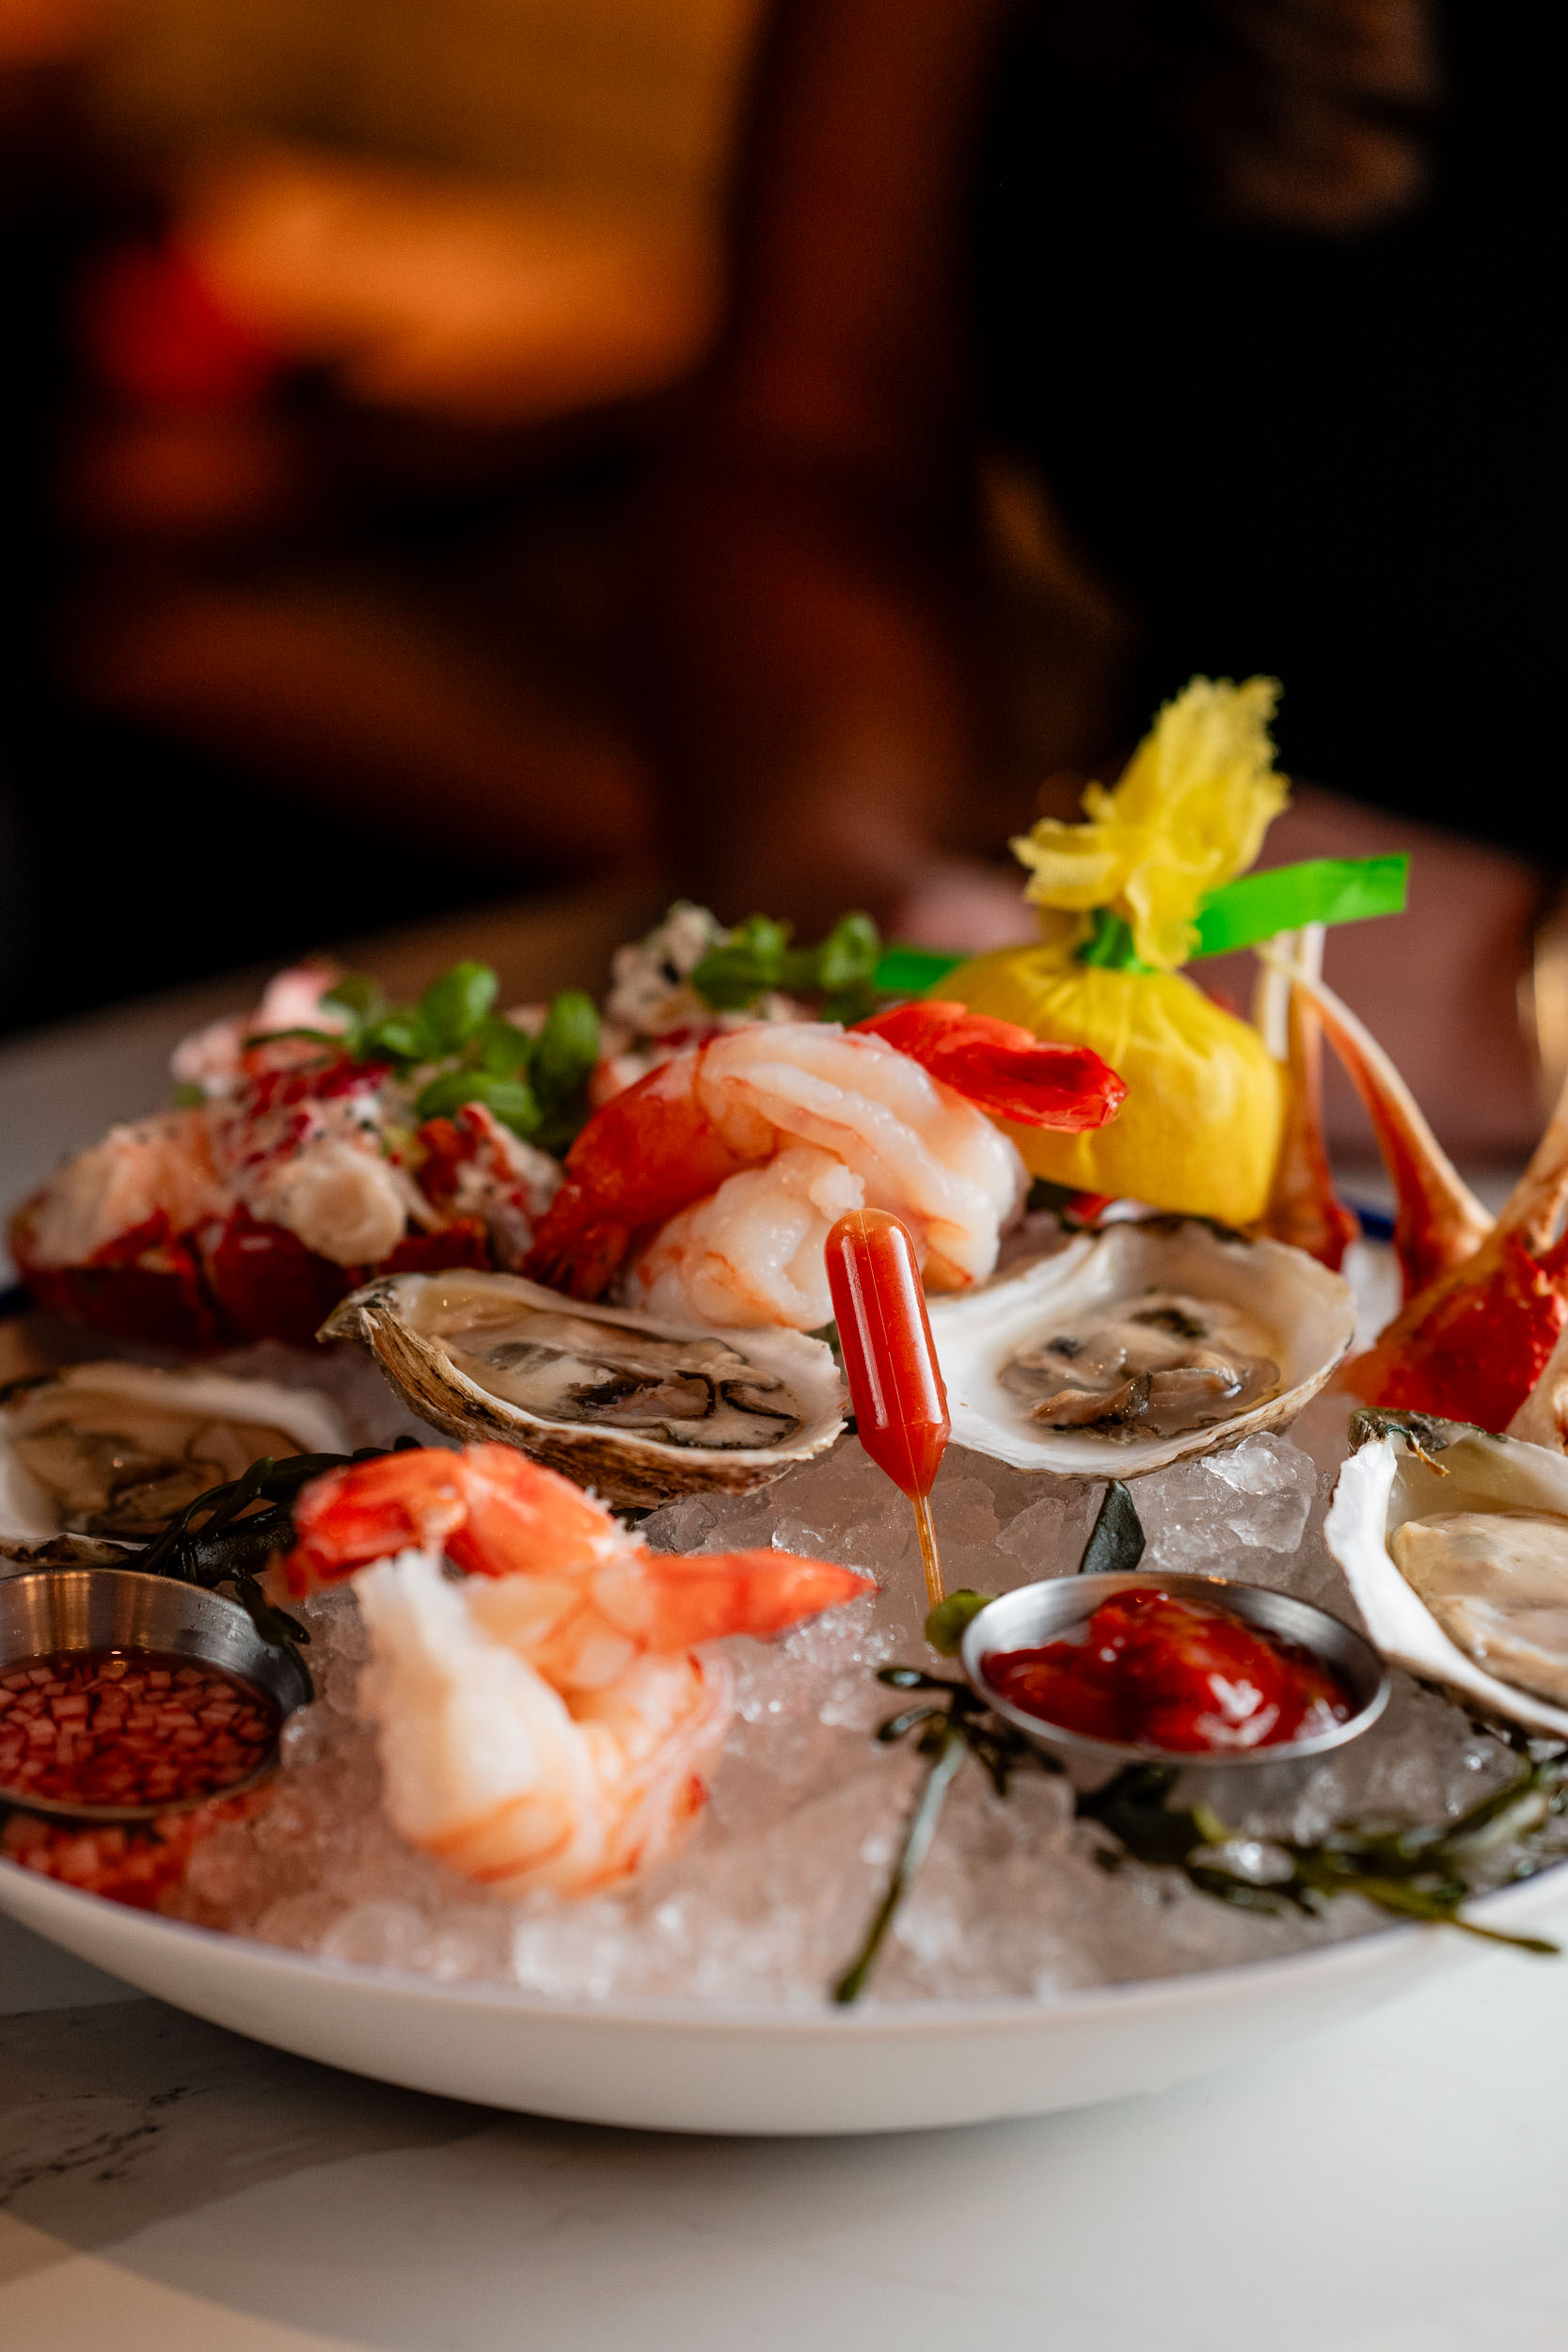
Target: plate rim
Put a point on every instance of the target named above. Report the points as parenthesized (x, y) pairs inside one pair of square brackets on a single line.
[(1190, 1988)]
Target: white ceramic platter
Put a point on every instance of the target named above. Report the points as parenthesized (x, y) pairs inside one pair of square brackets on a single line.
[(677, 2068)]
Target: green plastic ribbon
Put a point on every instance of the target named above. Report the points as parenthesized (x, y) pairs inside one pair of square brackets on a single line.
[(913, 971), (1287, 898), (1257, 907)]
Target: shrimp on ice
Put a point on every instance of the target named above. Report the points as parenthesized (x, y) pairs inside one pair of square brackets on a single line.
[(706, 1191), (546, 1722)]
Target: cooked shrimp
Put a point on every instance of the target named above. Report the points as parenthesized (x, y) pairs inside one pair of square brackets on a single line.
[(708, 1190), (545, 1722), (502, 1777)]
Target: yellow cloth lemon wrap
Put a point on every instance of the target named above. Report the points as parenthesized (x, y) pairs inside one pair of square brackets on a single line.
[(1191, 810), (1200, 1129)]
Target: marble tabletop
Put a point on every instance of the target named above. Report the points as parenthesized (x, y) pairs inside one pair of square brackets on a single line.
[(1394, 2187)]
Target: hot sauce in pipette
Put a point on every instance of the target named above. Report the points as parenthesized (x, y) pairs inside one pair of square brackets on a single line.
[(890, 1362)]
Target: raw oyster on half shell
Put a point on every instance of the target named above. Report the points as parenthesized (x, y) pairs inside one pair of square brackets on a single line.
[(101, 1457), (640, 1410), (1455, 1545), (1138, 1344)]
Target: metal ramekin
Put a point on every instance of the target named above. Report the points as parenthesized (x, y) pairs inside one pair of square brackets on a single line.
[(87, 1609), (1038, 1614)]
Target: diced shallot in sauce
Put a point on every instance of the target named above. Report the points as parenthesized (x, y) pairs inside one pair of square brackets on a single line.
[(128, 1727), (1150, 1669)]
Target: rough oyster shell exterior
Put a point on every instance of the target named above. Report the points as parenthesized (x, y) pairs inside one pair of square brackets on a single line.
[(630, 1470), (1309, 1311)]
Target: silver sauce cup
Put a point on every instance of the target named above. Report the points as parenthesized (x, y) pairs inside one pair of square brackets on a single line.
[(54, 1609), (1048, 1612)]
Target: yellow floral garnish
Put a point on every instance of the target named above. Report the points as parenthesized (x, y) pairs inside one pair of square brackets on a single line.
[(1191, 810)]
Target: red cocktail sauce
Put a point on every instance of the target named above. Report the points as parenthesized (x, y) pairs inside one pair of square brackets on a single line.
[(1150, 1669), (127, 1727)]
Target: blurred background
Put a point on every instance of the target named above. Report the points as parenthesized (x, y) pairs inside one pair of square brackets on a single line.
[(460, 451)]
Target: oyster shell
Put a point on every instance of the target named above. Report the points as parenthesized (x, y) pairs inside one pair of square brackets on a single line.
[(1456, 1550), (1138, 1344), (638, 1410), (102, 1455)]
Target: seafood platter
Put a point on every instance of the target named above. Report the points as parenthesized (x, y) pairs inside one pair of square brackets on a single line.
[(821, 1545)]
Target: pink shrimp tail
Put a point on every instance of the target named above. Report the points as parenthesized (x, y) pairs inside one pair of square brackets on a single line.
[(1003, 1069), (701, 1598), (647, 1154)]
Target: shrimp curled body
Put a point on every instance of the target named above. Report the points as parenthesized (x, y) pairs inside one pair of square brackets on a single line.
[(706, 1191), (546, 1721)]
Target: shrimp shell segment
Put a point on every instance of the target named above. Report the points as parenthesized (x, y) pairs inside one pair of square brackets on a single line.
[(638, 1410), (1450, 1486), (1260, 1327)]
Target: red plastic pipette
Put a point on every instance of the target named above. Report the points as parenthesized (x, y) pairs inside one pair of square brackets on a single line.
[(890, 1362)]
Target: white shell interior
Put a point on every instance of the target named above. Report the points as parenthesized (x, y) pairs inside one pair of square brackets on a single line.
[(1309, 1311), (27, 1513), (1383, 1484)]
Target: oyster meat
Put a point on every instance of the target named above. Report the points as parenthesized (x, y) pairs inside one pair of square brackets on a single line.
[(1138, 1344), (102, 1455), (640, 1410), (1163, 1363), (1455, 1545)]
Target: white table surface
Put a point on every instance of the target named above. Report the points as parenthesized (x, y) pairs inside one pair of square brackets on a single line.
[(1396, 2186)]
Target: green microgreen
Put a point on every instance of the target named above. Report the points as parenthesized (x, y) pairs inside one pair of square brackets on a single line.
[(757, 957), (463, 1050)]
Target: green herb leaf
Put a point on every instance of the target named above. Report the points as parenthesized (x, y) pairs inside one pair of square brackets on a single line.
[(397, 1037), (188, 1096), (500, 1047), (731, 978), (454, 1006), (511, 1100), (949, 1621), (567, 1048), (359, 995), (849, 954), (1115, 1542)]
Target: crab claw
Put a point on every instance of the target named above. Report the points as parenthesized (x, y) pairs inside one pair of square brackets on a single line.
[(1439, 1222), (1304, 1207), (1002, 1068), (1476, 1342)]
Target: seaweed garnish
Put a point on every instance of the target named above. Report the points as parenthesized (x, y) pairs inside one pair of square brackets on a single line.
[(1413, 1871), (230, 1533)]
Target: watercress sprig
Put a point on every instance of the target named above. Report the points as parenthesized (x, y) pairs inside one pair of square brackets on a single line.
[(758, 957), (536, 1086)]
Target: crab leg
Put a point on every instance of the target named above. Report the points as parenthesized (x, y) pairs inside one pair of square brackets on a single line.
[(1439, 1222), (1304, 1207), (1477, 1341)]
